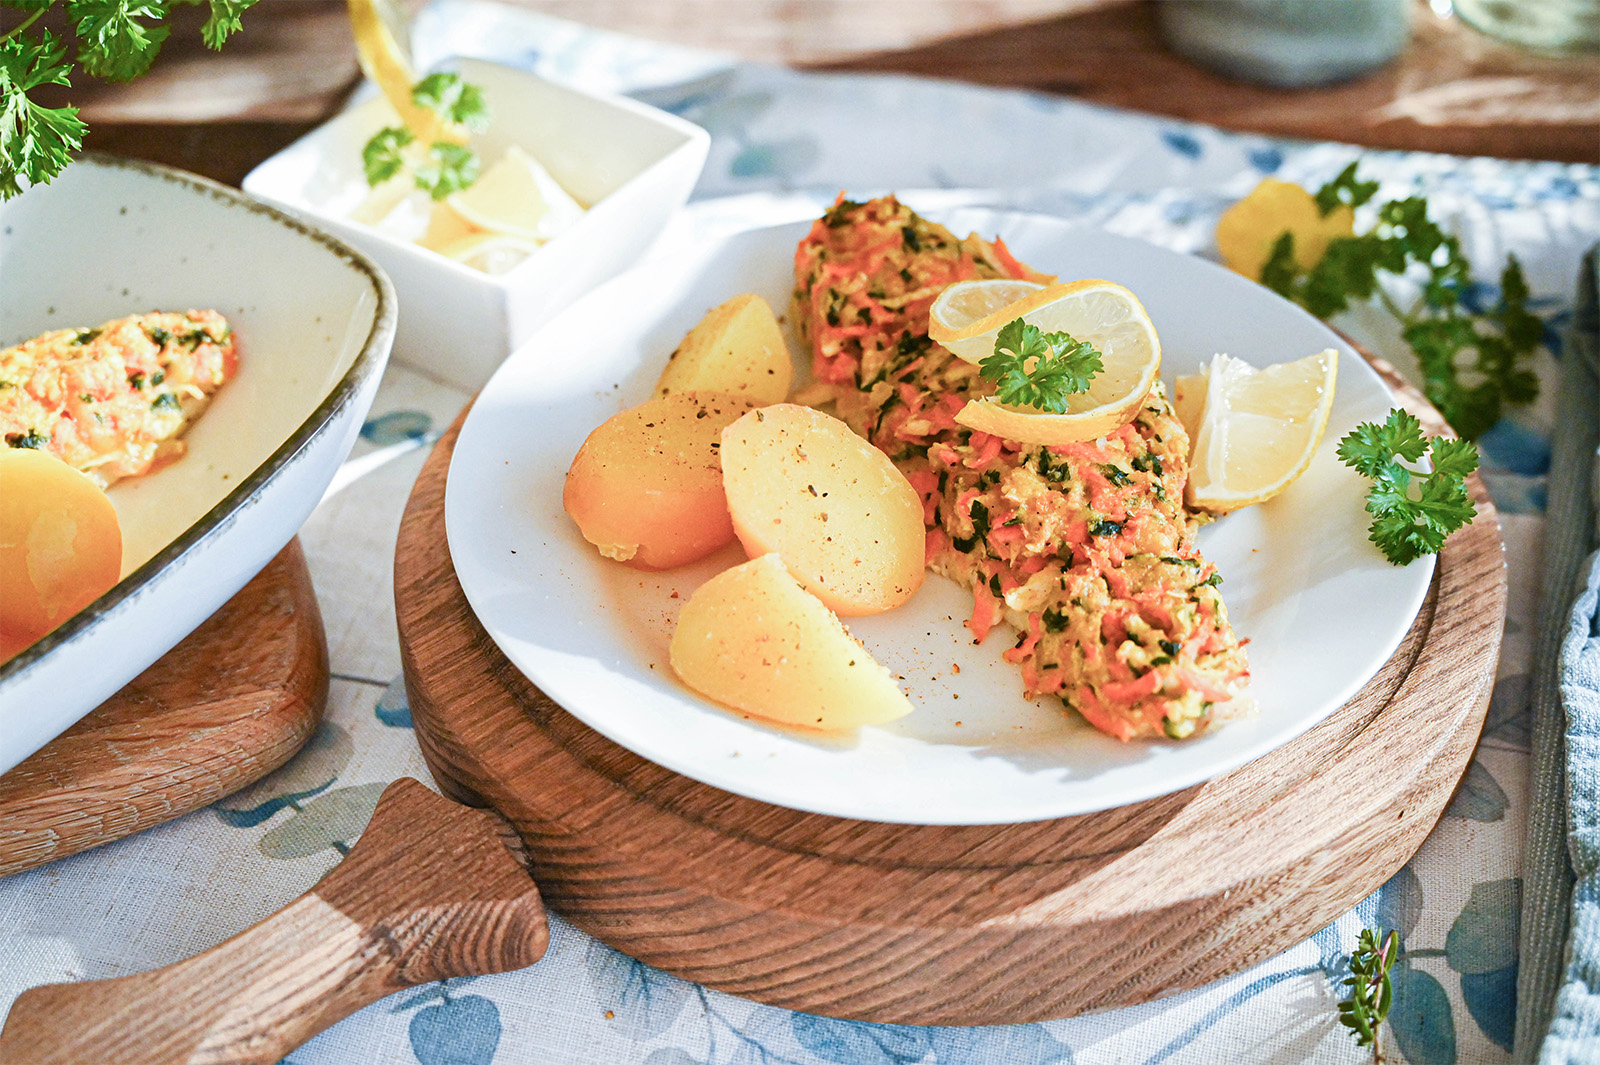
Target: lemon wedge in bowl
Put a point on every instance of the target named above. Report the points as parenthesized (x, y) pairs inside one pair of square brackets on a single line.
[(1255, 430), (518, 198), (492, 253), (1101, 313)]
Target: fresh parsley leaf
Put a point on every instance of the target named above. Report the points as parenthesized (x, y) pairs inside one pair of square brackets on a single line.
[(1037, 369), (1278, 273), (381, 158), (1345, 189), (36, 142), (112, 42), (446, 167), (1413, 512), (226, 17), (1369, 446), (453, 100), (449, 168), (1472, 363)]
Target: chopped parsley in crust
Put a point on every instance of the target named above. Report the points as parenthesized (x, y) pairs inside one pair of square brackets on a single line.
[(113, 401), (1086, 549)]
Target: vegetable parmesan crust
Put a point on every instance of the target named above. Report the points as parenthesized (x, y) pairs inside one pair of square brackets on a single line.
[(113, 401), (1085, 548)]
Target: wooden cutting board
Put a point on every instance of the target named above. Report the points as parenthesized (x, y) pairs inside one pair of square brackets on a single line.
[(954, 925), (227, 706)]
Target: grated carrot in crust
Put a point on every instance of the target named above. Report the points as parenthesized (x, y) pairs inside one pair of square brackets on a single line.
[(1086, 548)]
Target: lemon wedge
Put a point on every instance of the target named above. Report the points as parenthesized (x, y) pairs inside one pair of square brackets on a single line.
[(1101, 313), (446, 227), (517, 197), (382, 33), (1247, 231), (1258, 428), (493, 253)]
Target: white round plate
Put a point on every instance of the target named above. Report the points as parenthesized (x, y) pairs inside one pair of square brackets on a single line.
[(1320, 606)]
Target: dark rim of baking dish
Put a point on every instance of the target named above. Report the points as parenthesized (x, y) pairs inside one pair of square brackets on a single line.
[(368, 361)]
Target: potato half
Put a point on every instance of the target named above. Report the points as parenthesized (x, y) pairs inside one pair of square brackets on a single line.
[(753, 639), (60, 545), (738, 348), (646, 486), (847, 523)]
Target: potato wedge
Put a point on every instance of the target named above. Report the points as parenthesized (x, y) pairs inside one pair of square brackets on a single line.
[(846, 522), (646, 486), (60, 545), (753, 639), (738, 348)]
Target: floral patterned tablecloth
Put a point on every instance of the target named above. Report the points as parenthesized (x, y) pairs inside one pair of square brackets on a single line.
[(783, 144)]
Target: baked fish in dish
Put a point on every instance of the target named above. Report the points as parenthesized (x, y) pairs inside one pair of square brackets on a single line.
[(1086, 549), (114, 401)]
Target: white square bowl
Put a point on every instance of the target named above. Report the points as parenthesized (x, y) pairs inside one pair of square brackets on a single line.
[(314, 321), (631, 164)]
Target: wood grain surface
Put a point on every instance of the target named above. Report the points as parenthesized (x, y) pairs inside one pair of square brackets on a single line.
[(428, 892), (953, 925), (231, 703)]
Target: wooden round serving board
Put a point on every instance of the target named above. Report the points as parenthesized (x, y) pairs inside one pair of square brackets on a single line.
[(231, 703), (952, 925)]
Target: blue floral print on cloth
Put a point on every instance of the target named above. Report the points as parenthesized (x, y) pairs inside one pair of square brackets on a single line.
[(784, 143)]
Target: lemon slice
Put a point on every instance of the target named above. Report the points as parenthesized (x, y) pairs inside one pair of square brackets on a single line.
[(1101, 313), (1259, 428), (382, 33), (517, 197), (493, 253), (959, 318)]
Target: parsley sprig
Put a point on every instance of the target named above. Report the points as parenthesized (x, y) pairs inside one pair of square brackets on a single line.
[(117, 40), (1037, 369), (1472, 361), (1371, 992), (1413, 511), (444, 166)]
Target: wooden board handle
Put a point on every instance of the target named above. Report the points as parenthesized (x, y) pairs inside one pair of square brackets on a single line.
[(428, 892)]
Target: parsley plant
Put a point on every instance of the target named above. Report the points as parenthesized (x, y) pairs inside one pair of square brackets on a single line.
[(1037, 369), (445, 166), (1412, 511), (1473, 363), (117, 40)]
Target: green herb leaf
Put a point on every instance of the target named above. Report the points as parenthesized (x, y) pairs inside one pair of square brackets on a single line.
[(1472, 363), (449, 168), (1371, 995), (1345, 189), (381, 158), (452, 99), (1037, 369), (36, 142), (1413, 512), (225, 19), (112, 42)]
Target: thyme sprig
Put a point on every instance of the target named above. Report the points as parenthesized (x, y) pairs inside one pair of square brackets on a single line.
[(1371, 994)]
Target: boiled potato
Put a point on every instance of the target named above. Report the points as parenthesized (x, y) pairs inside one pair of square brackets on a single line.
[(646, 487), (752, 638), (738, 348), (60, 545), (846, 522)]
